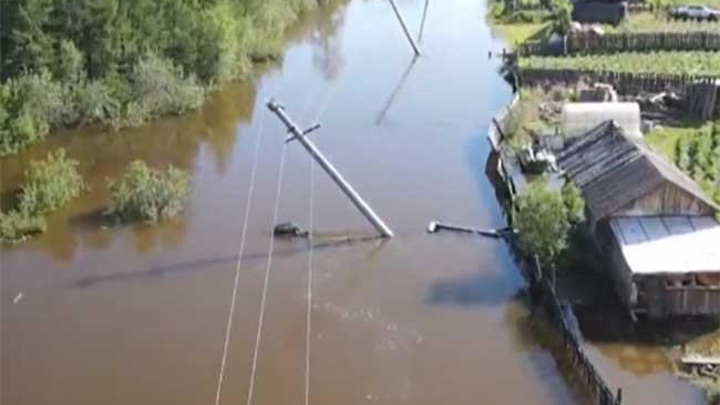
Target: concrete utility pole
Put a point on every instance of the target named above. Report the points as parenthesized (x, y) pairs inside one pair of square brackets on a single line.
[(422, 24), (346, 188), (405, 28)]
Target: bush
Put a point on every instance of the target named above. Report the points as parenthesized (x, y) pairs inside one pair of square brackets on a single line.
[(161, 87), (16, 226), (699, 156), (50, 184), (574, 203), (94, 102), (542, 222), (145, 194)]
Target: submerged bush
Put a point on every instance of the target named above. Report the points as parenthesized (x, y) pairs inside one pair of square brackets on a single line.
[(50, 184), (16, 226), (146, 194)]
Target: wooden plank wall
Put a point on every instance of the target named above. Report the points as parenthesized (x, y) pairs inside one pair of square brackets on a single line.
[(668, 199), (592, 44)]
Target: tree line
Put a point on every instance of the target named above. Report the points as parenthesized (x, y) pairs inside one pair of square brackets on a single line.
[(121, 62)]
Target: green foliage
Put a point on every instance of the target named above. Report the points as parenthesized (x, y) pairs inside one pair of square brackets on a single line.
[(50, 184), (542, 222), (145, 194), (160, 88), (699, 156), (562, 15), (17, 226), (691, 63), (121, 62), (29, 105), (574, 203)]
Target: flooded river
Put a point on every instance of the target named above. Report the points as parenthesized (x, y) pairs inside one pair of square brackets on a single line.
[(137, 314)]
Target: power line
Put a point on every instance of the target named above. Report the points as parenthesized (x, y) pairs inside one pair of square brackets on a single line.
[(263, 300), (241, 250)]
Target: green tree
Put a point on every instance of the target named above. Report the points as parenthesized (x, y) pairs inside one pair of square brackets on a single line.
[(542, 222), (574, 203), (562, 15)]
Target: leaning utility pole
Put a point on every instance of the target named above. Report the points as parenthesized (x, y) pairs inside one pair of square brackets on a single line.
[(346, 188), (405, 28)]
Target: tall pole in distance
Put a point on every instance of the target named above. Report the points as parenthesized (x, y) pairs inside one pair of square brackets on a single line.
[(422, 24), (346, 188), (405, 28)]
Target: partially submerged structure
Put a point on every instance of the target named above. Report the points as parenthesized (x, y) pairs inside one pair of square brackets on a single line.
[(653, 222)]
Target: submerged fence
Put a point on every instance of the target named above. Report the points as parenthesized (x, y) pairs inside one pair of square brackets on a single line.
[(562, 318), (626, 42)]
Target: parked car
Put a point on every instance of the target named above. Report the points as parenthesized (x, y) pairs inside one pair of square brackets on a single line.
[(696, 12)]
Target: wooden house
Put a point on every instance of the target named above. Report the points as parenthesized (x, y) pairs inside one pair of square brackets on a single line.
[(653, 222)]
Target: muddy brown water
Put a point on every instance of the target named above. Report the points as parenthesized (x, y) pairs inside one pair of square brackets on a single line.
[(137, 314)]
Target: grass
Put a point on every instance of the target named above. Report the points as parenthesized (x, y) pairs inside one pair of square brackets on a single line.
[(665, 139), (691, 63), (517, 33)]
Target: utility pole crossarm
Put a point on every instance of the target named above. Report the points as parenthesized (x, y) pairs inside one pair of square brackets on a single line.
[(360, 204)]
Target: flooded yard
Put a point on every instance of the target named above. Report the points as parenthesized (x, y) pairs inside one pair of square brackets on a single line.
[(138, 314)]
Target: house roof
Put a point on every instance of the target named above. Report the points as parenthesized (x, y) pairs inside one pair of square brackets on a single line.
[(668, 244), (613, 169)]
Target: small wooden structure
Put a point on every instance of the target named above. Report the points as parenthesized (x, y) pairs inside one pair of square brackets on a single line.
[(651, 220), (604, 12)]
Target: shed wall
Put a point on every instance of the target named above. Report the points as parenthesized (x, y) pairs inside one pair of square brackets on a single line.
[(667, 199)]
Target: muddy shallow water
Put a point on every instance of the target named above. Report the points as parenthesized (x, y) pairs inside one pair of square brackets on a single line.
[(137, 314)]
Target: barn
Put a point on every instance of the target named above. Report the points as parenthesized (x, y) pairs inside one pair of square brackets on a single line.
[(652, 221)]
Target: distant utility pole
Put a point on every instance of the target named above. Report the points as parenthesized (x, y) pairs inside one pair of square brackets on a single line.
[(422, 24), (346, 188), (405, 28)]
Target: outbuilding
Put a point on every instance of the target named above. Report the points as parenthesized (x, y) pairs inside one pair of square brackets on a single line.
[(652, 221)]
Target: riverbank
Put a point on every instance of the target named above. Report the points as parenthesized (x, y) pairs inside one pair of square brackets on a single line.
[(121, 64)]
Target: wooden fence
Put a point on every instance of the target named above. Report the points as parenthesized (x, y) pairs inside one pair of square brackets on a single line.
[(624, 83), (561, 317), (695, 300), (702, 93), (627, 42)]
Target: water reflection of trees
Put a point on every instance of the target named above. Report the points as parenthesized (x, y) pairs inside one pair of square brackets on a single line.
[(175, 140)]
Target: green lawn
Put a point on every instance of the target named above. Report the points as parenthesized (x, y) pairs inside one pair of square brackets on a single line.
[(665, 139), (518, 33), (694, 63)]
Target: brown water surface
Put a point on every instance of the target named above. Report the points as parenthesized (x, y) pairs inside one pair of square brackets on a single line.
[(137, 314)]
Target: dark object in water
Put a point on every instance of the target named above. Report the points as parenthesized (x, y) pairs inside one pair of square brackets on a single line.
[(289, 230)]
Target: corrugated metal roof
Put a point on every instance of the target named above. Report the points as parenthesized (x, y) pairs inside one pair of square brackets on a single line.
[(669, 244), (613, 169)]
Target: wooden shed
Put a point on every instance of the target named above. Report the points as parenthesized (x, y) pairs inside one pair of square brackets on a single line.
[(655, 223)]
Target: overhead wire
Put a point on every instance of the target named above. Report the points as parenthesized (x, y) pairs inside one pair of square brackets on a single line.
[(238, 265)]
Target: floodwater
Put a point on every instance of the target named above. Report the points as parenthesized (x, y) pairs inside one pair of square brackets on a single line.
[(137, 314)]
